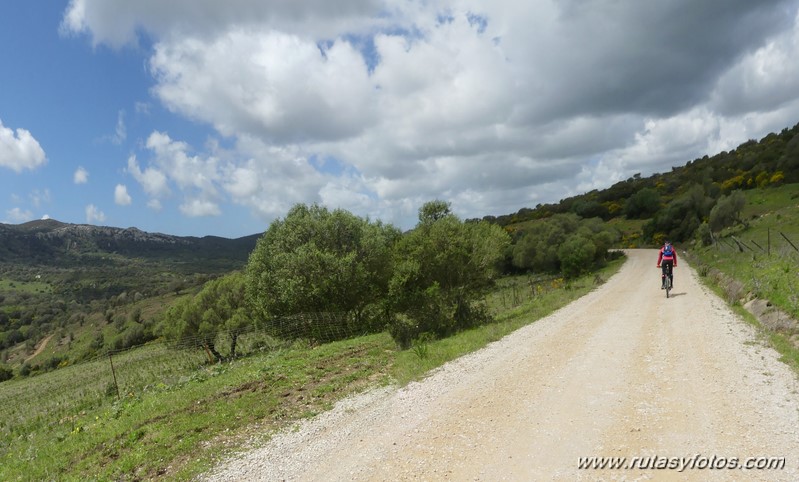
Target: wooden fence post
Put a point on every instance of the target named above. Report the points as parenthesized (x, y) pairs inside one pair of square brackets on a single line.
[(741, 244), (789, 241), (114, 373)]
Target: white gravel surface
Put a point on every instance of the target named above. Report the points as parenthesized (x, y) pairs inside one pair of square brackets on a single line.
[(621, 372)]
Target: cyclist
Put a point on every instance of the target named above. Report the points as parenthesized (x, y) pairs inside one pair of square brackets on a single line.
[(667, 258)]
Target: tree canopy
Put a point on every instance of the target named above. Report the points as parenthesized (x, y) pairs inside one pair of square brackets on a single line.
[(563, 243), (317, 260), (196, 321), (440, 269)]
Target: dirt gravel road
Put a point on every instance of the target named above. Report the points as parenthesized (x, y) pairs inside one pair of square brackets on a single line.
[(621, 372)]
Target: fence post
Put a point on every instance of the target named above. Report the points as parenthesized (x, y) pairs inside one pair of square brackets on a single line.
[(789, 241), (114, 373), (761, 247), (741, 244)]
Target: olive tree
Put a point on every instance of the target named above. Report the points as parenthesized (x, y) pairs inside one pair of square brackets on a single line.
[(197, 321), (187, 326), (316, 260), (727, 211), (441, 269), (564, 243)]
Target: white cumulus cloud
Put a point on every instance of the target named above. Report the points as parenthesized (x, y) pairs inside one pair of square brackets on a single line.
[(199, 207), (380, 105), (19, 150), (94, 215), (152, 180), (121, 196), (81, 176)]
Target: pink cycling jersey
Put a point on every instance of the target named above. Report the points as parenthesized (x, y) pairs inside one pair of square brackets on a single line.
[(665, 257)]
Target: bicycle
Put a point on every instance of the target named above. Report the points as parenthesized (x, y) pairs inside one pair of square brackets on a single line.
[(666, 278)]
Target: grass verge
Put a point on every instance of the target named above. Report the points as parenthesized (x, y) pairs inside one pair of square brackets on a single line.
[(731, 288), (759, 258)]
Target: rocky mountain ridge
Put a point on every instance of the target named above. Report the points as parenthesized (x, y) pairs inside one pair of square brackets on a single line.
[(51, 241)]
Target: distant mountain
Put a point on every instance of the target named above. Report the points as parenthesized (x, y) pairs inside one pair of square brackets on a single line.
[(75, 280), (53, 243)]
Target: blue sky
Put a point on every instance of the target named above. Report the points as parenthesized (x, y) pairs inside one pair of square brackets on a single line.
[(198, 117), (89, 107)]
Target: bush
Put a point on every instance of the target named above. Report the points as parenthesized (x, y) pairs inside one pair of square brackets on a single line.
[(727, 211), (643, 204), (704, 235), (134, 336), (6, 373), (403, 331), (576, 256), (441, 269)]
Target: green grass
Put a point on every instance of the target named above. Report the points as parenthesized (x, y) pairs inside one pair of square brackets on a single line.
[(29, 287), (183, 418), (768, 265), (772, 199), (176, 416)]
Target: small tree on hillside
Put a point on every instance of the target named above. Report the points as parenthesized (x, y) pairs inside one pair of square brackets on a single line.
[(727, 211), (6, 373), (679, 220), (187, 324)]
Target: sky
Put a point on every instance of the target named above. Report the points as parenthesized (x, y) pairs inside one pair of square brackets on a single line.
[(200, 117)]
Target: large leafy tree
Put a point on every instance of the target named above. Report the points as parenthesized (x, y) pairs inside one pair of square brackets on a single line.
[(576, 255), (440, 270), (316, 260)]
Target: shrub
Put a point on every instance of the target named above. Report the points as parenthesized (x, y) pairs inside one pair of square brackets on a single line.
[(403, 330), (441, 269), (704, 235), (6, 373), (576, 256)]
